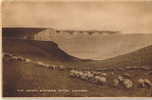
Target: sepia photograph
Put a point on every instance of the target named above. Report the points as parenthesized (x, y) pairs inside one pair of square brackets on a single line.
[(76, 49)]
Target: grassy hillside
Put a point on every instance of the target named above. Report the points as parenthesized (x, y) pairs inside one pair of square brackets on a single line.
[(46, 51), (137, 58), (24, 76), (21, 75)]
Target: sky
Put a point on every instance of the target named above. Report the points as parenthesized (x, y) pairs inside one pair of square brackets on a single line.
[(127, 17)]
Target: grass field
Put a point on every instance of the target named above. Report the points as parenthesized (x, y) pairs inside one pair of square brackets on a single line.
[(19, 75)]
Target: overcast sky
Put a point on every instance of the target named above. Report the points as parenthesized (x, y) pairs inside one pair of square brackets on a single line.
[(128, 17)]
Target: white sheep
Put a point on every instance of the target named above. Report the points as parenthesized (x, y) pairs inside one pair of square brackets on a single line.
[(27, 60), (14, 57), (83, 76), (116, 82), (126, 75), (52, 67), (90, 76), (47, 65), (40, 63), (141, 82), (127, 83), (103, 74), (72, 73), (144, 82), (101, 80), (120, 78), (148, 82), (61, 67)]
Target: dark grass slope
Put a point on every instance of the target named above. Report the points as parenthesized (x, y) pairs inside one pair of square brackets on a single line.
[(137, 58), (37, 50)]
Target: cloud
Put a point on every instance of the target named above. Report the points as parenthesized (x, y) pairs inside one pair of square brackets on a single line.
[(128, 17)]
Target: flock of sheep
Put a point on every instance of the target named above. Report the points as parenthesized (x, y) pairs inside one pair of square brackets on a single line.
[(90, 76), (100, 78), (27, 60)]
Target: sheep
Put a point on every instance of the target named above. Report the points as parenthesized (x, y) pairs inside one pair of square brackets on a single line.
[(61, 67), (72, 73), (7, 55), (79, 74), (47, 65), (96, 73), (90, 75), (101, 80), (141, 82), (116, 82), (83, 76), (144, 82), (103, 74), (126, 75), (120, 78), (75, 73), (14, 57), (27, 60), (112, 73), (40, 63), (148, 82), (21, 58), (127, 83), (53, 67)]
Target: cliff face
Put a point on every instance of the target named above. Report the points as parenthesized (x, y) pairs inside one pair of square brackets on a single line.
[(45, 35), (96, 46)]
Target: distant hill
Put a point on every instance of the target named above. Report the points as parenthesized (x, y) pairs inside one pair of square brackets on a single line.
[(141, 57), (27, 33)]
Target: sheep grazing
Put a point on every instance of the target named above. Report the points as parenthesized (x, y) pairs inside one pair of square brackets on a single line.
[(83, 76), (144, 83), (141, 82), (96, 73), (103, 74), (120, 78), (7, 55), (116, 82), (47, 65), (148, 82), (126, 75), (90, 75), (15, 57), (112, 73), (127, 83), (72, 73), (40, 63), (28, 60), (53, 67), (100, 79), (61, 67)]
